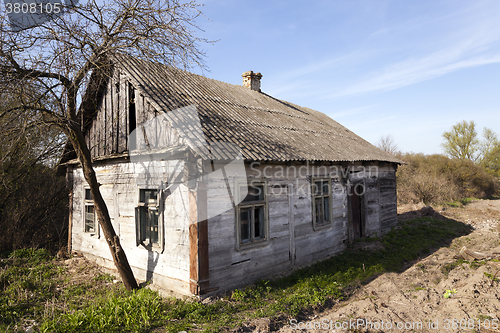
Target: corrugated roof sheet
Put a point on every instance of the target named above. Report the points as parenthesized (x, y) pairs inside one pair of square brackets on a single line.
[(265, 128)]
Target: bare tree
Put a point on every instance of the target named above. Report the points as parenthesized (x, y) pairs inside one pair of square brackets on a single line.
[(32, 207), (387, 143), (59, 56)]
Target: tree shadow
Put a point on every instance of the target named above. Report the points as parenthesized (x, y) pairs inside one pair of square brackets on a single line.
[(418, 234), (152, 263)]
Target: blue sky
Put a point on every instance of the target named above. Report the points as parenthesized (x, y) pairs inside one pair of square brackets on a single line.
[(411, 69)]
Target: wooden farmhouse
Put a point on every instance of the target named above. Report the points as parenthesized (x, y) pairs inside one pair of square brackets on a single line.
[(211, 186)]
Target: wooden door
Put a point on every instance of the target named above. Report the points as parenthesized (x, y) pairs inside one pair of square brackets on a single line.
[(356, 211)]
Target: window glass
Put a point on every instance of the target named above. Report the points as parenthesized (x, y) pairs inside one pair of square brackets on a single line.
[(245, 224), (251, 213), (148, 229), (317, 188), (89, 219), (153, 225), (326, 209), (259, 222), (255, 193), (147, 196), (321, 201), (326, 189)]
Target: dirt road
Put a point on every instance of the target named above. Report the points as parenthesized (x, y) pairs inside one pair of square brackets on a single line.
[(414, 300)]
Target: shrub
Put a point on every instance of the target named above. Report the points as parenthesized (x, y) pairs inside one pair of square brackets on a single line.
[(437, 178)]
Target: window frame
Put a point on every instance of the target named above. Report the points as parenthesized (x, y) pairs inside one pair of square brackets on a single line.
[(149, 207), (253, 242), (322, 196), (89, 203)]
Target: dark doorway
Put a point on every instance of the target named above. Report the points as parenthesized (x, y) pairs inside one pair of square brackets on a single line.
[(357, 209)]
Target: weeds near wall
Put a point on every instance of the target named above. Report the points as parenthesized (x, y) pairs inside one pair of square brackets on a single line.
[(35, 290)]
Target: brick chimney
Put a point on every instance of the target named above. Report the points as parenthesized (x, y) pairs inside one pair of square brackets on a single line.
[(251, 80)]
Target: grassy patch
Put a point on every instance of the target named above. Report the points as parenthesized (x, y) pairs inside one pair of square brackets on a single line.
[(99, 305), (492, 277), (446, 269), (460, 203)]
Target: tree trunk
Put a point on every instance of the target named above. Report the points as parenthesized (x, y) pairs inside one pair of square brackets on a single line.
[(120, 259)]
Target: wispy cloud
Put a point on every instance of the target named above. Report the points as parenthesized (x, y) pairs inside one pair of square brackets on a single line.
[(475, 41), (467, 38), (416, 70)]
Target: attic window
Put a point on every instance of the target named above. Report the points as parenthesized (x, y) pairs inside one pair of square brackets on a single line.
[(131, 108)]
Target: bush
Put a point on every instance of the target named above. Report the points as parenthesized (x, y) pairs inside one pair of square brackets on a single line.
[(437, 178), (34, 210)]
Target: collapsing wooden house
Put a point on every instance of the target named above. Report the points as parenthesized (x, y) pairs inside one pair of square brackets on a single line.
[(211, 186)]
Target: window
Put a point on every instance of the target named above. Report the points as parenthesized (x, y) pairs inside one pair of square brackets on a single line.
[(321, 198), (251, 213), (89, 217), (146, 216)]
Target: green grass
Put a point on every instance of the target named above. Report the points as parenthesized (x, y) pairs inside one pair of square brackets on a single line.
[(102, 306), (460, 203)]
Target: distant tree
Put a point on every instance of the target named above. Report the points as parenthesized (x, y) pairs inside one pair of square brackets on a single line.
[(462, 142), (387, 143), (490, 152)]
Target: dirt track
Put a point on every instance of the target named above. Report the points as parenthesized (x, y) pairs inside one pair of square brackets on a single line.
[(415, 298)]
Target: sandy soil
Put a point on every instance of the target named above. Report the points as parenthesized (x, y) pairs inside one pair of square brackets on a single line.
[(414, 300)]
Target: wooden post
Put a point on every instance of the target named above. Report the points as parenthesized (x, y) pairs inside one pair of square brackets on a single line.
[(69, 184), (198, 239), (70, 220)]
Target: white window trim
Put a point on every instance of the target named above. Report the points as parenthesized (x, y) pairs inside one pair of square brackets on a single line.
[(315, 225), (97, 228), (265, 239), (160, 246)]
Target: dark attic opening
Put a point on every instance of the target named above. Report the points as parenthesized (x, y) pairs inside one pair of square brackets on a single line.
[(131, 108)]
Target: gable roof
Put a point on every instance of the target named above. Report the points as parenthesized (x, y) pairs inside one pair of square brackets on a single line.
[(265, 128)]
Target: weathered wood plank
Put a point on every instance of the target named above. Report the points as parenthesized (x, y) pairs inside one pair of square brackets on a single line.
[(123, 127), (109, 118)]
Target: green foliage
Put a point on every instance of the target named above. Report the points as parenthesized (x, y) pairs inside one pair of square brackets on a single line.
[(466, 201), (134, 311), (491, 161), (98, 305), (448, 293), (461, 142), (104, 277), (492, 277), (459, 203), (27, 279), (446, 269)]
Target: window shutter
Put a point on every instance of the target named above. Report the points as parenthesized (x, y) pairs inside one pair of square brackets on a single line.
[(138, 235)]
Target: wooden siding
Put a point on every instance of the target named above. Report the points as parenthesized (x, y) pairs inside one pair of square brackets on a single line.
[(120, 183), (108, 134), (292, 239), (388, 199)]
